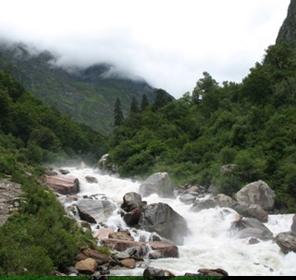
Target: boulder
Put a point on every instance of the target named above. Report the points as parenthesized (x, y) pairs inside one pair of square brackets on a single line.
[(286, 241), (224, 201), (163, 249), (164, 220), (102, 233), (94, 211), (121, 245), (132, 218), (251, 211), (158, 183), (187, 198), (63, 184), (129, 263), (123, 235), (257, 193), (87, 266), (99, 257), (212, 272), (91, 179), (250, 227), (131, 201), (203, 204), (151, 271)]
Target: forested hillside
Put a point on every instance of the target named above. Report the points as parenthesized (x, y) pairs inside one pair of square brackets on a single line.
[(39, 238), (39, 133), (86, 94), (247, 128)]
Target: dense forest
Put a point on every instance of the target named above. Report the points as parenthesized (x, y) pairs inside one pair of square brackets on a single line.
[(247, 127)]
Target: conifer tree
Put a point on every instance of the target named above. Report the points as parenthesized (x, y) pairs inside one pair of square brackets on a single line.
[(144, 102), (134, 108), (118, 114)]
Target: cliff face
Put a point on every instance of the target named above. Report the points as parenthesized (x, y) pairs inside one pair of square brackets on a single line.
[(287, 31)]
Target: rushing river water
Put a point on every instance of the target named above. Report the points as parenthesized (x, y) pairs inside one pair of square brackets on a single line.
[(210, 244)]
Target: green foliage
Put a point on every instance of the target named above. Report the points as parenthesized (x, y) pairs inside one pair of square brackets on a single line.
[(134, 107), (249, 125), (45, 133), (41, 237), (144, 102), (118, 114), (162, 98)]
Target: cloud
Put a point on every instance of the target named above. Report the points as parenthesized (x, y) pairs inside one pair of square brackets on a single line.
[(169, 42)]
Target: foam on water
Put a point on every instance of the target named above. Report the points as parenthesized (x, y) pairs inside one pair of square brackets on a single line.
[(211, 242)]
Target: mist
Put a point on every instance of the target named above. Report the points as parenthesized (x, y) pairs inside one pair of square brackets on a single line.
[(167, 43)]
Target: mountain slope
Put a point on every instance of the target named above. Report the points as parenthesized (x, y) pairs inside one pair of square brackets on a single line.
[(88, 94), (287, 31)]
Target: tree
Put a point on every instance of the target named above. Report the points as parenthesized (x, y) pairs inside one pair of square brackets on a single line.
[(118, 114), (144, 102), (203, 86), (134, 107), (162, 98)]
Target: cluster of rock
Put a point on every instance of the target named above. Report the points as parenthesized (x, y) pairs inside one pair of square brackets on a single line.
[(9, 199), (253, 203)]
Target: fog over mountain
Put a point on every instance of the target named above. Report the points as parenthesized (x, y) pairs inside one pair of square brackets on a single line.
[(168, 43)]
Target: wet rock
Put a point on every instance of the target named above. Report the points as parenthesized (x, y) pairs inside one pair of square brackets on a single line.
[(91, 179), (122, 245), (286, 241), (132, 218), (63, 184), (159, 183), (251, 211), (212, 272), (129, 263), (94, 211), (122, 235), (187, 198), (204, 204), (224, 200), (102, 233), (151, 271), (131, 201), (163, 250), (249, 227), (99, 257), (257, 193), (87, 266), (162, 219)]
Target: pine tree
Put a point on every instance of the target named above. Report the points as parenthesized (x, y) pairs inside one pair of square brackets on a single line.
[(118, 114), (144, 102), (134, 108)]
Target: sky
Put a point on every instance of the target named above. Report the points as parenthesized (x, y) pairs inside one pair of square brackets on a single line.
[(169, 43)]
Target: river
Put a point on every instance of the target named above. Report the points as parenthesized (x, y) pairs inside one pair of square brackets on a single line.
[(210, 244)]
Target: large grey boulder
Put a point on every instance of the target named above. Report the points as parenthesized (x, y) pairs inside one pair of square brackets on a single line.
[(250, 227), (164, 220), (94, 211), (159, 183), (203, 204), (251, 211), (257, 193), (286, 241)]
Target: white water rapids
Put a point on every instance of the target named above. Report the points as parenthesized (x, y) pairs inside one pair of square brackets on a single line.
[(211, 244)]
